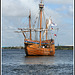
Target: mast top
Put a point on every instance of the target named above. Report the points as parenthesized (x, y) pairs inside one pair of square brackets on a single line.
[(41, 1), (29, 14), (41, 5)]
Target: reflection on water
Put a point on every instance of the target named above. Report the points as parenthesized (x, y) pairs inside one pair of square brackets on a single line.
[(39, 59), (17, 57)]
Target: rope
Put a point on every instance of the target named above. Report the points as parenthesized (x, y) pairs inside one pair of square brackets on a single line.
[(38, 20), (44, 18), (46, 14), (45, 24), (35, 19)]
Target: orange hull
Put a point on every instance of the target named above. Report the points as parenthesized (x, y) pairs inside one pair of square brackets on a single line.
[(36, 50)]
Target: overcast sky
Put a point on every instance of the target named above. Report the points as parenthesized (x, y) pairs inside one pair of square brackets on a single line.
[(15, 15)]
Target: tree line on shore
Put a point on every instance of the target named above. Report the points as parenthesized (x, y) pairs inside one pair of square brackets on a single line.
[(56, 47)]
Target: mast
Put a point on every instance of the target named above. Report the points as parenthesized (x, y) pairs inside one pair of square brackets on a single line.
[(46, 27), (41, 5), (23, 34), (30, 23)]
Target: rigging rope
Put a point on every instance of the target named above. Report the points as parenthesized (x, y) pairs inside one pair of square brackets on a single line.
[(44, 17), (45, 23), (36, 17)]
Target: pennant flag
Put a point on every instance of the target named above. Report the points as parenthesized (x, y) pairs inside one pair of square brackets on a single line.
[(51, 28), (53, 24), (55, 35)]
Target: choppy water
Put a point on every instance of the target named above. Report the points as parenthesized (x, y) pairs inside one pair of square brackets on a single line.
[(14, 62)]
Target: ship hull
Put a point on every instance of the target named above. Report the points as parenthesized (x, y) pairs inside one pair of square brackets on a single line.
[(34, 49)]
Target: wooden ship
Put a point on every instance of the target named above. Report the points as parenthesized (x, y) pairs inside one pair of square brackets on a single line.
[(38, 47)]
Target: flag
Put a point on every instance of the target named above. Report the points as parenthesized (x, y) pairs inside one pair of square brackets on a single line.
[(53, 24), (51, 28), (55, 35)]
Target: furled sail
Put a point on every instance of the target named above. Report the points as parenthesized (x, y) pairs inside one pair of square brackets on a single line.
[(49, 22)]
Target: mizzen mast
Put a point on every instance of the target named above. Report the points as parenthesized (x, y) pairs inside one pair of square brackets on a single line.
[(30, 23), (46, 28), (41, 6)]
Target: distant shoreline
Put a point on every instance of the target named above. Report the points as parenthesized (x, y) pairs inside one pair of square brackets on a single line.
[(63, 47), (56, 47)]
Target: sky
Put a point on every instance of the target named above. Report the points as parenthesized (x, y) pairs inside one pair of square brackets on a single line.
[(15, 15)]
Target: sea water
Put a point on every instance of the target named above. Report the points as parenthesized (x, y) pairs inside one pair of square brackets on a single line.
[(15, 62)]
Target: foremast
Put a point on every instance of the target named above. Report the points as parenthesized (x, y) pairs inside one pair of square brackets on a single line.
[(30, 23), (41, 6)]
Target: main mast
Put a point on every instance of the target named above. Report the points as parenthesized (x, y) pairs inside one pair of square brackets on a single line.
[(41, 6)]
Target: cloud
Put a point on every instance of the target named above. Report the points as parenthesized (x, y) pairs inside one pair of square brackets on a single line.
[(22, 7), (66, 11), (56, 17), (15, 15), (59, 1), (70, 11), (18, 7)]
